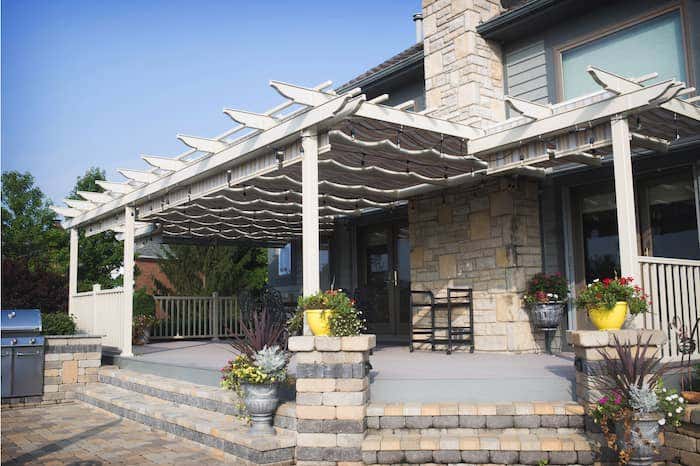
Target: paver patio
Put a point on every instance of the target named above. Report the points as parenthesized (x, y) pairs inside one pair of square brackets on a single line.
[(76, 433)]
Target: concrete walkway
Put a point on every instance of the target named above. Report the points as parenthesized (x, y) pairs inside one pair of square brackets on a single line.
[(398, 375)]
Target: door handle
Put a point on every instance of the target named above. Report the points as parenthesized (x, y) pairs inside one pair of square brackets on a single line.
[(21, 354), (396, 277)]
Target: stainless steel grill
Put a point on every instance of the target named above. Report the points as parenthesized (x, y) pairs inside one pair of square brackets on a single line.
[(22, 353)]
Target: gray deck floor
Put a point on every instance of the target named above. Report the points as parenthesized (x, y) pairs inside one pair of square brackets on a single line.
[(398, 375)]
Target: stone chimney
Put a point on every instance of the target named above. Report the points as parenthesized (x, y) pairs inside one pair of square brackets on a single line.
[(463, 72)]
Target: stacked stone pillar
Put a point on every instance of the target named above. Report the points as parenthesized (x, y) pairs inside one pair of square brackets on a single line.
[(588, 345), (332, 394)]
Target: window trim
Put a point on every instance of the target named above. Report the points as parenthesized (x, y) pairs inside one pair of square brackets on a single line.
[(558, 51)]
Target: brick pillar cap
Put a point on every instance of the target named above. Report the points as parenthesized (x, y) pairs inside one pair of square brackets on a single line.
[(310, 343), (597, 338)]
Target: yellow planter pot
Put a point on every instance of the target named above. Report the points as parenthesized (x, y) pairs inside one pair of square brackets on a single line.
[(609, 319), (318, 321)]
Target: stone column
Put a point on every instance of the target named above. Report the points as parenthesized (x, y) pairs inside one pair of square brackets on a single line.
[(332, 396), (588, 345)]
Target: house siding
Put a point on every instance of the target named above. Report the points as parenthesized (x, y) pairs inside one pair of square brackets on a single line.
[(530, 64)]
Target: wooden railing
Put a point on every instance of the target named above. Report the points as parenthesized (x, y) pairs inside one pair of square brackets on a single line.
[(100, 312), (673, 285), (196, 317)]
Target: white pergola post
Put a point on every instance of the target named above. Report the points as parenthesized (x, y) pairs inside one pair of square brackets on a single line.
[(309, 206), (127, 323), (73, 268), (624, 198)]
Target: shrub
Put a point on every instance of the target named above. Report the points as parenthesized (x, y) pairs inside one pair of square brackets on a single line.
[(57, 323), (144, 304)]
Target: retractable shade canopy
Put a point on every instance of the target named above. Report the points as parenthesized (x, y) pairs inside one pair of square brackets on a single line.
[(246, 184)]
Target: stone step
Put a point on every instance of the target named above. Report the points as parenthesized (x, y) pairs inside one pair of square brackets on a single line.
[(570, 449), (187, 393), (223, 432), (542, 418)]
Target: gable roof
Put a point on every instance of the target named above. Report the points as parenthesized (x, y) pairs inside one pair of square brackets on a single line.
[(401, 60)]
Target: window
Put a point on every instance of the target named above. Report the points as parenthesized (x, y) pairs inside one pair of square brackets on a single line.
[(672, 222), (654, 45), (284, 260)]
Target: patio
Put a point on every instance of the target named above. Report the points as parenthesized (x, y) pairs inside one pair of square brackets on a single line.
[(397, 375)]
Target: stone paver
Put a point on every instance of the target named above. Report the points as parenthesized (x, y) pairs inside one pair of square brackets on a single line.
[(76, 433)]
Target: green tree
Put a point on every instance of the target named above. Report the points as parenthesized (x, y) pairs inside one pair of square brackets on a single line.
[(100, 254), (30, 233), (200, 270)]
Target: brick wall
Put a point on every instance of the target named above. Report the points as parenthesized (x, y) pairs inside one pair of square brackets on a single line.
[(463, 72), (149, 269), (487, 238), (70, 362)]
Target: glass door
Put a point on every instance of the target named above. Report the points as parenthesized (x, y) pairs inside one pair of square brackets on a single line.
[(384, 277)]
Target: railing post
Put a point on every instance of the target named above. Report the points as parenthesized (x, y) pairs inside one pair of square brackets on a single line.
[(216, 330), (95, 290), (73, 268)]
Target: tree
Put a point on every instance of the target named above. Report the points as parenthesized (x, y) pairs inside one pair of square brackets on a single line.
[(33, 248), (200, 270), (100, 254), (29, 230)]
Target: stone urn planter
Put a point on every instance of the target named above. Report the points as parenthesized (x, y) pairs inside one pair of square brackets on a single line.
[(547, 316), (261, 402), (643, 438)]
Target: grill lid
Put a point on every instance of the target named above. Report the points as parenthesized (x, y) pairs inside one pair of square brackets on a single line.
[(20, 321)]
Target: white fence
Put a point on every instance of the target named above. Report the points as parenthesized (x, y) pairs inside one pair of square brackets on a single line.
[(196, 317), (100, 312), (673, 286)]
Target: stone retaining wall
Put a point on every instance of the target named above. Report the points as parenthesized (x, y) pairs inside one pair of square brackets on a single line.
[(70, 362)]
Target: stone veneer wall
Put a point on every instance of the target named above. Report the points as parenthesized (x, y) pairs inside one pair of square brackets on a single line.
[(70, 362), (463, 72), (484, 237)]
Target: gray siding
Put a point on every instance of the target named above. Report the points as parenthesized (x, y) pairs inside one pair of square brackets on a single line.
[(526, 73), (529, 61)]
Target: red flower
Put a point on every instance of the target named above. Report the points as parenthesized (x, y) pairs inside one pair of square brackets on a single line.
[(607, 281)]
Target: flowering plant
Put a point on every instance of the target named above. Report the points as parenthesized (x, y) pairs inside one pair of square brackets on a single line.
[(631, 383), (605, 293), (345, 320), (545, 288)]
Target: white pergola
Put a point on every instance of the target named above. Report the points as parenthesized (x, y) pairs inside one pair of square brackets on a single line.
[(319, 156)]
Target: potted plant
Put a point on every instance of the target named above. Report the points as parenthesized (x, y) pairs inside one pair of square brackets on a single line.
[(256, 373), (607, 302), (635, 403), (331, 313), (546, 296), (142, 325), (256, 380)]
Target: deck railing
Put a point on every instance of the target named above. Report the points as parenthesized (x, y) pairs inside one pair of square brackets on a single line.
[(673, 286), (196, 317), (99, 312)]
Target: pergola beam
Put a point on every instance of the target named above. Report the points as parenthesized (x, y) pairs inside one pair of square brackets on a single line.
[(115, 187), (138, 175)]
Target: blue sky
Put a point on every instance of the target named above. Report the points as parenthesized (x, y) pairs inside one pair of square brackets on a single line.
[(100, 82)]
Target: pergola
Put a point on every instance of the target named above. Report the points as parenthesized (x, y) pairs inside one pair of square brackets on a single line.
[(320, 156)]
